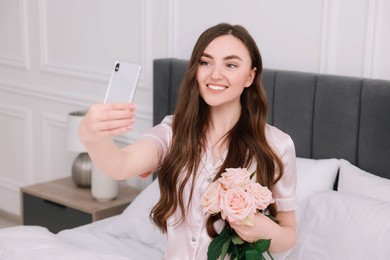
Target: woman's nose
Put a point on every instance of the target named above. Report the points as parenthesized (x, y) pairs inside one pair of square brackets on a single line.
[(216, 73)]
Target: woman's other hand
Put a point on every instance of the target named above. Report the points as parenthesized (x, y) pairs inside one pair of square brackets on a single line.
[(282, 235)]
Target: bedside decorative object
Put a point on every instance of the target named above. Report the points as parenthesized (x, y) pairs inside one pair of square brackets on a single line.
[(103, 187), (82, 165)]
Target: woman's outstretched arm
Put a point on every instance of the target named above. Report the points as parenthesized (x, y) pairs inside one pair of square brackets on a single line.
[(104, 121)]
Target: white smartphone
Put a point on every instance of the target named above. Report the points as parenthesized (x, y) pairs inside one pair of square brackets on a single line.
[(123, 82)]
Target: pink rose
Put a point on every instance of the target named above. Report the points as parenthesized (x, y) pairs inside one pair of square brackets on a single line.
[(235, 177), (262, 195), (211, 199), (236, 204)]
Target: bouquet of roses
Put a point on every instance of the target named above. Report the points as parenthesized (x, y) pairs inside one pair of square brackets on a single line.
[(237, 199)]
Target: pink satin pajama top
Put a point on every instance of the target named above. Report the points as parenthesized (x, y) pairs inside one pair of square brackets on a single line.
[(190, 240)]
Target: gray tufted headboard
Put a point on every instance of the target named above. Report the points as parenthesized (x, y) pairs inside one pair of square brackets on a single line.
[(327, 116)]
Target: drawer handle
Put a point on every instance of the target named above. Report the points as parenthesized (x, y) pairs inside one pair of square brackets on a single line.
[(54, 204)]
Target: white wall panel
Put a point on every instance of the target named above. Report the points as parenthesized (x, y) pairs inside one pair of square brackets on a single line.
[(15, 140), (350, 30), (16, 155), (56, 161), (84, 38), (288, 33), (13, 33)]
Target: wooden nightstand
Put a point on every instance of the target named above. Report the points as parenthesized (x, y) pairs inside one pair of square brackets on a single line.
[(60, 204)]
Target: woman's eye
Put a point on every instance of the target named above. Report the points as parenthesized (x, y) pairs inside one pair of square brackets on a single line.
[(203, 63), (232, 66)]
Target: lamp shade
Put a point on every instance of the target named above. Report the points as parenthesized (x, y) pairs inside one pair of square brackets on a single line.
[(73, 143)]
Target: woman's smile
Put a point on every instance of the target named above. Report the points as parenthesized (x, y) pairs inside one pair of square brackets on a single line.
[(216, 87)]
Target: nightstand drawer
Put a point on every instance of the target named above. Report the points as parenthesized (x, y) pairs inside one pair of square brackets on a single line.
[(55, 217)]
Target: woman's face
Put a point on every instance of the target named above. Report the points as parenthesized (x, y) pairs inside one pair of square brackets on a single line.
[(224, 71)]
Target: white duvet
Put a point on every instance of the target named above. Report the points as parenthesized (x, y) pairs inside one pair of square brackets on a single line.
[(331, 225), (88, 242), (38, 243)]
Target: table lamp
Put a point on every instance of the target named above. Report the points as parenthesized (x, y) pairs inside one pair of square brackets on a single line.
[(82, 165)]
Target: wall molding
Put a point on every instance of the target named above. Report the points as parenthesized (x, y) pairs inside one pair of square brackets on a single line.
[(9, 185), (50, 121), (370, 40), (58, 96), (147, 47), (21, 62), (146, 28), (26, 117), (328, 30), (14, 218), (172, 28), (45, 93)]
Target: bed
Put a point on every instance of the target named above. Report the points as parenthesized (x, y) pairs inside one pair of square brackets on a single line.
[(341, 129)]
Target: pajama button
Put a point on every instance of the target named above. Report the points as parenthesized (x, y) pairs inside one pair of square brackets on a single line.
[(209, 180), (193, 239)]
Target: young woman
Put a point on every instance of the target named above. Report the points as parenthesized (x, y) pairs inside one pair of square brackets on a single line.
[(219, 123)]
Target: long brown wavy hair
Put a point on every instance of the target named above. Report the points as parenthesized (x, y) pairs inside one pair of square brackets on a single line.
[(246, 140)]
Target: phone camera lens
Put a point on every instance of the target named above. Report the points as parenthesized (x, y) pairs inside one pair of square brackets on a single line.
[(117, 67)]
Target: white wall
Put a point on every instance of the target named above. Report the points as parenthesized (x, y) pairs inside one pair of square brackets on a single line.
[(56, 57)]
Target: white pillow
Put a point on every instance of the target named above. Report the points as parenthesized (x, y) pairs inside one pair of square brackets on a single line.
[(335, 225), (315, 175), (135, 223), (355, 180)]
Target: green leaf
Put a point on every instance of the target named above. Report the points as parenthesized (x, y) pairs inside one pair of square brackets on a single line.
[(237, 240), (262, 245), (228, 242), (224, 233), (225, 248), (244, 248), (253, 254), (215, 247), (234, 253)]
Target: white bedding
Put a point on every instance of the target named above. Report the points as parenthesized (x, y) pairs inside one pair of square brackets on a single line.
[(86, 243), (353, 223), (337, 225)]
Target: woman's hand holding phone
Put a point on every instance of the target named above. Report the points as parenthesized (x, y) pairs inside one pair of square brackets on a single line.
[(116, 115), (106, 120)]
